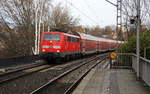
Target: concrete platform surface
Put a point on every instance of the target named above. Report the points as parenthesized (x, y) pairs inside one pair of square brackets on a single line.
[(111, 81)]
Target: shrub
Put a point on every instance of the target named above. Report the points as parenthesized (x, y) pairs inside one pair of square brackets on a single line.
[(130, 46)]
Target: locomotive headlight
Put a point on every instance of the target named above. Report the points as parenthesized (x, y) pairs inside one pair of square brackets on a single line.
[(43, 50), (58, 51), (45, 46), (56, 47)]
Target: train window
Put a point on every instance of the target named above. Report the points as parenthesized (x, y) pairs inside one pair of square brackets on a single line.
[(55, 37), (77, 39), (69, 38), (72, 39)]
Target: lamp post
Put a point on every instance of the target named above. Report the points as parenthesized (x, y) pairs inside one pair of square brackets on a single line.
[(138, 39)]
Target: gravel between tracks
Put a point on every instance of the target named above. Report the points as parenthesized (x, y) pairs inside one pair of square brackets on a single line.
[(62, 84), (25, 85)]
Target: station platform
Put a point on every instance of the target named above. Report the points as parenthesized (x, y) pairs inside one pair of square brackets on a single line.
[(111, 81)]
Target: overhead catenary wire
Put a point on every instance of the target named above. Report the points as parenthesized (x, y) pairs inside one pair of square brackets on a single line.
[(72, 5), (91, 10)]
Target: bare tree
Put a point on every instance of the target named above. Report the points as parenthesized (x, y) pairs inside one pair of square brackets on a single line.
[(23, 21), (18, 16), (129, 10), (61, 18), (106, 32), (41, 8)]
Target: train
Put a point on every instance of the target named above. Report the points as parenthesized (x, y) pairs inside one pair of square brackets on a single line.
[(63, 45)]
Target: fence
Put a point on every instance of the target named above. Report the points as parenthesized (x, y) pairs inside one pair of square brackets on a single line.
[(123, 61), (144, 68), (128, 60)]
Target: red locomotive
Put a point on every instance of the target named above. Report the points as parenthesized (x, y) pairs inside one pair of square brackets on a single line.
[(66, 44)]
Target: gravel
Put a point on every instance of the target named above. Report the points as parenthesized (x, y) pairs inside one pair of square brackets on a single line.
[(25, 85), (62, 84)]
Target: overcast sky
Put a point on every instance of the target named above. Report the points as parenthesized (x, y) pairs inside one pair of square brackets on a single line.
[(91, 12)]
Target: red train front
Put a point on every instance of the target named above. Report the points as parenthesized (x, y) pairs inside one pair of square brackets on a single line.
[(60, 45)]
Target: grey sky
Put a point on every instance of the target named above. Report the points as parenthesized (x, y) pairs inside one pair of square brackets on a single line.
[(99, 12)]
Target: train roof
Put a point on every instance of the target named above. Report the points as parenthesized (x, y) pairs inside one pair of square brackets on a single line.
[(85, 36), (90, 37), (64, 33)]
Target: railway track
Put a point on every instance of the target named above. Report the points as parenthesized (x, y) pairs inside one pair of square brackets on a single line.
[(53, 85), (9, 70), (37, 78), (76, 83), (24, 71), (21, 71)]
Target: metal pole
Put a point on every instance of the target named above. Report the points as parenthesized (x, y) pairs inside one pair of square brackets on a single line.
[(118, 18), (110, 61), (138, 39), (144, 52)]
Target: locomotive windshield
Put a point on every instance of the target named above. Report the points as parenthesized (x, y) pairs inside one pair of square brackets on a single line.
[(55, 37)]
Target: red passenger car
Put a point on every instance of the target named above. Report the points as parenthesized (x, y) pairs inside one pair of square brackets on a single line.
[(64, 45), (89, 44)]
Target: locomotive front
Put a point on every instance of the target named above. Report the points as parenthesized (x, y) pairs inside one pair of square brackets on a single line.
[(59, 45), (51, 42)]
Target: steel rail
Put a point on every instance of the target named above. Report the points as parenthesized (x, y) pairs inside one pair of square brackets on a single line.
[(21, 74), (60, 76), (22, 67), (74, 85), (6, 75)]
